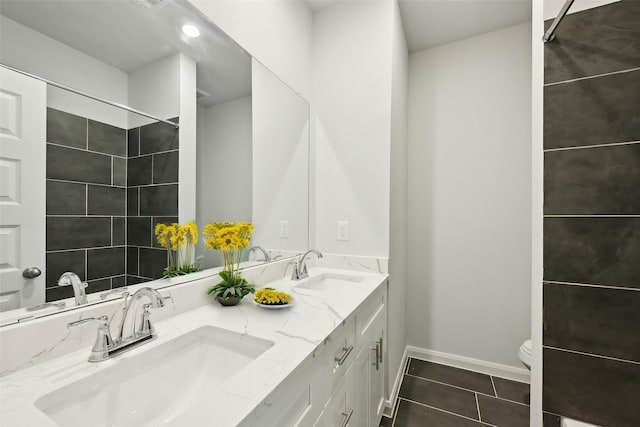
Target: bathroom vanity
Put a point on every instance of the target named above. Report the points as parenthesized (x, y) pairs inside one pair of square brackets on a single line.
[(317, 362)]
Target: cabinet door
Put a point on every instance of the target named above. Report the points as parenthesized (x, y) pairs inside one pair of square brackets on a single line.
[(376, 375), (361, 398), (339, 410)]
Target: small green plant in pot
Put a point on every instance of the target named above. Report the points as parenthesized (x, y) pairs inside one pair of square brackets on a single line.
[(230, 239)]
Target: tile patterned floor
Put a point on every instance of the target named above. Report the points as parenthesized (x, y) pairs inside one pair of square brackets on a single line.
[(434, 395)]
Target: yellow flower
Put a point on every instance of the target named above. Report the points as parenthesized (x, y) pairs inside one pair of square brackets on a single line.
[(270, 296)]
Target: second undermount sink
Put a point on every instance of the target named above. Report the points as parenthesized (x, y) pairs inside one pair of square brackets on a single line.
[(163, 386), (329, 282)]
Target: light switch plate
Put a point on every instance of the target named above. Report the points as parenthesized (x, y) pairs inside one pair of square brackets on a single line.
[(343, 230)]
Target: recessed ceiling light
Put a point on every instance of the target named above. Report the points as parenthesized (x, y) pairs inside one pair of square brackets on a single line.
[(190, 30)]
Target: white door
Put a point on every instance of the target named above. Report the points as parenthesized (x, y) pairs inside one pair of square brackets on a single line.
[(22, 188)]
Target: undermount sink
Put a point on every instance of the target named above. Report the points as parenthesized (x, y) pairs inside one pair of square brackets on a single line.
[(329, 282), (164, 386)]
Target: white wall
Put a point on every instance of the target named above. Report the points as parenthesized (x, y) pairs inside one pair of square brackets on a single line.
[(399, 199), (35, 53), (469, 262), (352, 96), (224, 187), (276, 32)]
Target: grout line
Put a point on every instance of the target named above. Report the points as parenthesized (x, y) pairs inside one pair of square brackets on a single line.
[(580, 147), (591, 216), (494, 386), (85, 183), (86, 150), (599, 356), (83, 249), (466, 389), (86, 141), (478, 406), (96, 216), (445, 411), (590, 285), (628, 70)]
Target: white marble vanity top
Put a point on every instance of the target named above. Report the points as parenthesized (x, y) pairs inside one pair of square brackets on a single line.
[(295, 331)]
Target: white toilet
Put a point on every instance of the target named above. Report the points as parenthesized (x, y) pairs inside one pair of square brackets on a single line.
[(524, 353)]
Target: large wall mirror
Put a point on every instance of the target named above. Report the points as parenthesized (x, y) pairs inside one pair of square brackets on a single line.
[(195, 129)]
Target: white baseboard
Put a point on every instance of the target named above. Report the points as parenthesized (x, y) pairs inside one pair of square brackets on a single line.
[(482, 366), (393, 396)]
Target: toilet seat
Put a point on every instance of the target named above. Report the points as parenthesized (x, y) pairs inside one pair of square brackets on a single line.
[(525, 353)]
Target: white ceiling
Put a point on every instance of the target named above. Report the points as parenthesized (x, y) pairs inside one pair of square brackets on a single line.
[(430, 23)]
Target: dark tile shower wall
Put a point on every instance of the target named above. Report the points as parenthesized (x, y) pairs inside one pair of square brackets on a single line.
[(152, 197), (591, 290), (86, 203)]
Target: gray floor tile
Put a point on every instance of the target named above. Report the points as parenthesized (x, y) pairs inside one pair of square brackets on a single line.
[(502, 413), (386, 422), (512, 390), (415, 415), (550, 420), (448, 398), (455, 376)]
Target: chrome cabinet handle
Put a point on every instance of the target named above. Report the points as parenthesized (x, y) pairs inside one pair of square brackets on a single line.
[(348, 417), (31, 272), (381, 349), (347, 351), (377, 362)]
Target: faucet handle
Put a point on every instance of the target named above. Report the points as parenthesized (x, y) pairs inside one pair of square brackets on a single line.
[(103, 320), (103, 340)]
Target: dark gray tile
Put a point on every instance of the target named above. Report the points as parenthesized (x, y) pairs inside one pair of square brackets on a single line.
[(139, 170), (99, 285), (119, 172), (512, 390), (440, 396), (66, 129), (75, 165), (133, 142), (592, 389), (106, 200), (592, 111), (502, 413), (78, 232), (66, 198), (118, 282), (386, 422), (594, 181), (600, 321), (158, 137), (134, 280), (165, 167), (159, 200), (415, 415), (139, 231), (450, 375), (57, 293), (107, 139), (61, 262), (550, 420), (152, 262), (602, 251), (132, 260), (595, 41), (119, 226), (162, 220), (105, 262), (132, 202)]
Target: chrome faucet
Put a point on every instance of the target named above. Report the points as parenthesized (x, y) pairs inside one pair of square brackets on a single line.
[(72, 279), (300, 269), (261, 249), (106, 346)]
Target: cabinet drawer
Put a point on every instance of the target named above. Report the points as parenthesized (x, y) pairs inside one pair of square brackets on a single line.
[(338, 353)]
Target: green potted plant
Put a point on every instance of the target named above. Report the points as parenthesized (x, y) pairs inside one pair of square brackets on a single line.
[(230, 239)]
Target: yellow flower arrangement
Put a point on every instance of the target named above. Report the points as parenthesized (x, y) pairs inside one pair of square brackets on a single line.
[(269, 296), (230, 239), (173, 237)]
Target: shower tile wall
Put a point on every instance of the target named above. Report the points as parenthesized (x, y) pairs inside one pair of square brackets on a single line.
[(86, 203), (591, 353), (152, 196)]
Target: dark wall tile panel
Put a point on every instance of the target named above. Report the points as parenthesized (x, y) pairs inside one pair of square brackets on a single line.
[(134, 280), (152, 262), (159, 200), (132, 202), (118, 228), (139, 231), (595, 41), (165, 167), (592, 111), (98, 285), (132, 260), (139, 171), (118, 282), (61, 262), (158, 137), (66, 129), (107, 139), (595, 181), (106, 200), (133, 142), (591, 389), (66, 198), (593, 320), (57, 293), (602, 251), (499, 412), (76, 165), (105, 262), (119, 172), (78, 232)]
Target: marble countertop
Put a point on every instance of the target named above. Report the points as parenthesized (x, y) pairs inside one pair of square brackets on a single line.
[(295, 331)]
